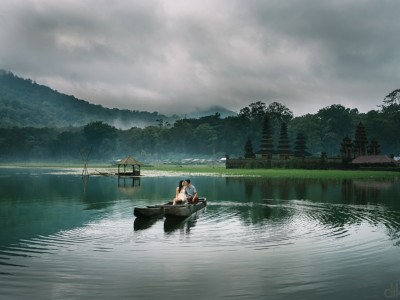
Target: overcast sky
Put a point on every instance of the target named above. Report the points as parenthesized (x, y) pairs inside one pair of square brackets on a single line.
[(176, 56)]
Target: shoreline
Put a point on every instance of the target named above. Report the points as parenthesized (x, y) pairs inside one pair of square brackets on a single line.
[(213, 170)]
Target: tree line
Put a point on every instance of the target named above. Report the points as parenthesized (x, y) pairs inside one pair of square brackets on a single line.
[(206, 137)]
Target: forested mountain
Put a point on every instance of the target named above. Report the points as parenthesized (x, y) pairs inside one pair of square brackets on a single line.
[(26, 103), (207, 136)]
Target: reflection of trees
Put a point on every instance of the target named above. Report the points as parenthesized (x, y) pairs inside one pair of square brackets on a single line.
[(332, 193), (255, 214), (100, 193), (284, 187), (252, 214), (267, 188), (347, 190), (248, 189), (301, 189), (363, 191), (46, 204), (324, 185)]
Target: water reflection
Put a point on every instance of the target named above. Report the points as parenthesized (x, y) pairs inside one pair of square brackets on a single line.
[(347, 191), (259, 238), (171, 225), (128, 188), (46, 203), (184, 225), (142, 223), (128, 181), (332, 203)]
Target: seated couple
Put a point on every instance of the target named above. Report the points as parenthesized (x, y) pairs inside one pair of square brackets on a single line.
[(185, 192)]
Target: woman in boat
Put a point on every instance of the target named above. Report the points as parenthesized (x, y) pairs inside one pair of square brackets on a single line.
[(180, 196)]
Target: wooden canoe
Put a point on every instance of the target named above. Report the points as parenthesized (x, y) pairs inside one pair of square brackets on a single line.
[(184, 210), (150, 211)]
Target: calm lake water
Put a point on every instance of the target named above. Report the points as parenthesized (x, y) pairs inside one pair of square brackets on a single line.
[(62, 237)]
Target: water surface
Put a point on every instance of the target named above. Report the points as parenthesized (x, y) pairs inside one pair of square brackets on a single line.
[(62, 237)]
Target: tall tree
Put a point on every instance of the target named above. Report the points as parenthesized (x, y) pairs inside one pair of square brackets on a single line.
[(393, 98), (336, 121), (279, 112), (254, 110), (390, 121), (96, 132), (248, 149), (206, 139)]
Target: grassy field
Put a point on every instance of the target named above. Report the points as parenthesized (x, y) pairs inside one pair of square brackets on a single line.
[(220, 170)]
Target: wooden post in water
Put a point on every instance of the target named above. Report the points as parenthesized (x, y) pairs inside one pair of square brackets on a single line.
[(85, 159)]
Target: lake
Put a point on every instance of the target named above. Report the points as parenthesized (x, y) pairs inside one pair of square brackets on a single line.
[(63, 237)]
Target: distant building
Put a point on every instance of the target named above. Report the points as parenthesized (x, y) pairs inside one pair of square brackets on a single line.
[(374, 160), (354, 154)]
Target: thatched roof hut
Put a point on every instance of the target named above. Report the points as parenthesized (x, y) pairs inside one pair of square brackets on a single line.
[(129, 161)]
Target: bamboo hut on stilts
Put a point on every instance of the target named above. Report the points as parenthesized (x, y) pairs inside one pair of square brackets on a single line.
[(129, 162)]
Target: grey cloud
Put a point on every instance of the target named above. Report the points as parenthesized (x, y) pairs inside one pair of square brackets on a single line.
[(341, 35), (175, 56)]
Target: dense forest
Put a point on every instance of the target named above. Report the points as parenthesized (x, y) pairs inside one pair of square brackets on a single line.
[(208, 137)]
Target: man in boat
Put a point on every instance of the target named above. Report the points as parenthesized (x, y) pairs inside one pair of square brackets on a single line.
[(191, 192)]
